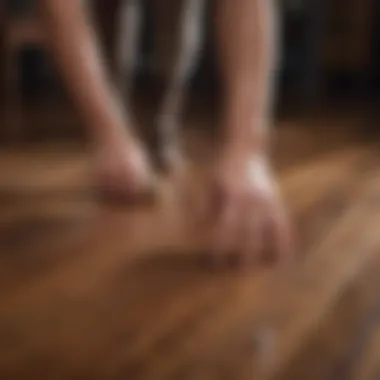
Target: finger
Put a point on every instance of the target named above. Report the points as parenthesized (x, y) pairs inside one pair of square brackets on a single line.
[(225, 232), (280, 235), (209, 204), (253, 240), (197, 205)]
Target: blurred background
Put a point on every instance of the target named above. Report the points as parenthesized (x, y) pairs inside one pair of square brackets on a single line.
[(330, 60)]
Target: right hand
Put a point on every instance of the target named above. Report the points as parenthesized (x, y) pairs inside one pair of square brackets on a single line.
[(124, 171)]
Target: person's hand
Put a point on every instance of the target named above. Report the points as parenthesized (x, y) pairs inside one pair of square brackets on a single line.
[(249, 223), (124, 172)]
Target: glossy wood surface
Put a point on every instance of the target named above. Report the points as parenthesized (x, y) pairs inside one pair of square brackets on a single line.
[(96, 291)]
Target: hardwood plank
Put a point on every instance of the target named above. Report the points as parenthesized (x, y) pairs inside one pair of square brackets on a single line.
[(368, 367), (102, 292), (287, 309), (340, 343)]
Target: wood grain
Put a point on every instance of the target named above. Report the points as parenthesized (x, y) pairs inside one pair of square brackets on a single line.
[(96, 291)]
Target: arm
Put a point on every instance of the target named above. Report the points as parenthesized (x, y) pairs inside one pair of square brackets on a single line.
[(77, 54), (247, 212), (122, 166), (245, 32)]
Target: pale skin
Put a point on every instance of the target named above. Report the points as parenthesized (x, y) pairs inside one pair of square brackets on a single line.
[(243, 205)]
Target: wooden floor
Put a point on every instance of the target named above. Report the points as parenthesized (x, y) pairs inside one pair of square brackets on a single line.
[(95, 291)]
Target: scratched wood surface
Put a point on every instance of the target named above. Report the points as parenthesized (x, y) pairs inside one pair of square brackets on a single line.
[(95, 291)]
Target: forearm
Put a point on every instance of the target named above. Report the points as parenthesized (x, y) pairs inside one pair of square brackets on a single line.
[(75, 49), (246, 31)]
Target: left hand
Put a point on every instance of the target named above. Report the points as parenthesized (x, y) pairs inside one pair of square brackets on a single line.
[(247, 214)]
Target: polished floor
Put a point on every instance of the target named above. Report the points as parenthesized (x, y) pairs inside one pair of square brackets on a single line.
[(96, 291)]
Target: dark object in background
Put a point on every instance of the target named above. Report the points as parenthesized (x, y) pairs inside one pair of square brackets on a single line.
[(18, 7), (303, 39), (32, 65), (375, 50), (303, 74), (348, 57), (36, 76)]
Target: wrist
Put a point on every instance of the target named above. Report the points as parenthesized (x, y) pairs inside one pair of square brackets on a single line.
[(254, 144), (246, 133), (109, 128)]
